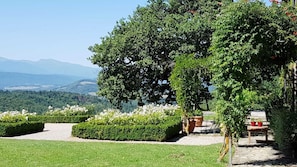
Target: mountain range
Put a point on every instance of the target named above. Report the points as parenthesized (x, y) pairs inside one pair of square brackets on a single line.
[(46, 74), (46, 67)]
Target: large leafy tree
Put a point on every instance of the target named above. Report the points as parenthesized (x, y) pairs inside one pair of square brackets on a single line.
[(137, 57)]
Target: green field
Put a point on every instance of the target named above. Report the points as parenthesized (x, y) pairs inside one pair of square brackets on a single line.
[(20, 153)]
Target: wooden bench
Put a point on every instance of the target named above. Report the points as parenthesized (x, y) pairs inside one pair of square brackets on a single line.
[(251, 129), (257, 115)]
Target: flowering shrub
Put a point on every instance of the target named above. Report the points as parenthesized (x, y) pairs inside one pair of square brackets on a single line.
[(145, 115), (67, 111), (15, 116)]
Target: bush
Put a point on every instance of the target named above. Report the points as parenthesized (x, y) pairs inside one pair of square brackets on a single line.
[(159, 132), (15, 116), (145, 115), (284, 126), (20, 128), (149, 122), (59, 119), (68, 111)]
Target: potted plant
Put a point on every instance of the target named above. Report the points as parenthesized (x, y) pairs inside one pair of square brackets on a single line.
[(253, 122), (192, 124), (188, 124), (260, 122), (198, 117), (190, 91)]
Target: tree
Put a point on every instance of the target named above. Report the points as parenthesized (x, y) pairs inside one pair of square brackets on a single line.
[(138, 55)]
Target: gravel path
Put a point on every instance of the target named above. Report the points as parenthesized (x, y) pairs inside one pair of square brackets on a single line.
[(260, 154), (62, 132)]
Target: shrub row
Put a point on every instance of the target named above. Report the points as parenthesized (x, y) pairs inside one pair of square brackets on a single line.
[(160, 132), (20, 128), (284, 126), (59, 119)]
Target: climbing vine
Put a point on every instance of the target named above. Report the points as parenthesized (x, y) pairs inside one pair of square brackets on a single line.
[(250, 46), (190, 80)]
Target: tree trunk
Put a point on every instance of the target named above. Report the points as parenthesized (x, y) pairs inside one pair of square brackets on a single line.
[(207, 105), (230, 149)]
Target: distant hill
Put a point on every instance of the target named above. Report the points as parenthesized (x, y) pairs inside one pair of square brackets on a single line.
[(47, 75), (21, 81), (47, 67), (86, 86)]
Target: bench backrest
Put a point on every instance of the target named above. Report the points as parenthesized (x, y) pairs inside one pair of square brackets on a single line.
[(258, 115)]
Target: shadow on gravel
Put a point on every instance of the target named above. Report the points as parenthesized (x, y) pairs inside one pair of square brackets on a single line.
[(208, 131), (283, 160), (260, 143), (175, 139)]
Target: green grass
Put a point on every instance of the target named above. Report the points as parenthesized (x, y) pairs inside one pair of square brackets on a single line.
[(19, 153)]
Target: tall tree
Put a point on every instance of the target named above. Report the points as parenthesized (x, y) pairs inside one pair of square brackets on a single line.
[(137, 57)]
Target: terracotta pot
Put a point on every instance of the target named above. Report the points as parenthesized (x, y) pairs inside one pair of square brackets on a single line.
[(199, 120), (253, 123), (191, 125), (260, 123)]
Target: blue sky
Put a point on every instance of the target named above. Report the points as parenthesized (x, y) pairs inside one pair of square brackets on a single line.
[(58, 29)]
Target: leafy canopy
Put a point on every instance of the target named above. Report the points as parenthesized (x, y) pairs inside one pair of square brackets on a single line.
[(137, 57), (190, 79), (249, 47)]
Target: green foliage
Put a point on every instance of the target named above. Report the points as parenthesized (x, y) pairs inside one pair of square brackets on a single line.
[(187, 80), (59, 119), (149, 122), (145, 115), (245, 42), (68, 111), (273, 94), (40, 101), (248, 46), (284, 125), (233, 113), (20, 128), (15, 116), (7, 118), (155, 132), (138, 55), (198, 112)]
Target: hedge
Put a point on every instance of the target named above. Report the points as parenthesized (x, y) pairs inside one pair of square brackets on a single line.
[(161, 132), (59, 119), (20, 128), (284, 126)]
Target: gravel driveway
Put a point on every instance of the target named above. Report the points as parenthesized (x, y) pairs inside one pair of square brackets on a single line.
[(51, 131), (62, 132)]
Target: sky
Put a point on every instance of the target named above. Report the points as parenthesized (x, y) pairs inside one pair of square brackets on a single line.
[(58, 29)]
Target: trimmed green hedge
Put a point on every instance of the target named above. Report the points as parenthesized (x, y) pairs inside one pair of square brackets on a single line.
[(284, 126), (160, 132), (59, 119), (20, 128)]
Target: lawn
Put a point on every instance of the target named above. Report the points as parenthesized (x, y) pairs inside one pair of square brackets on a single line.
[(20, 153)]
